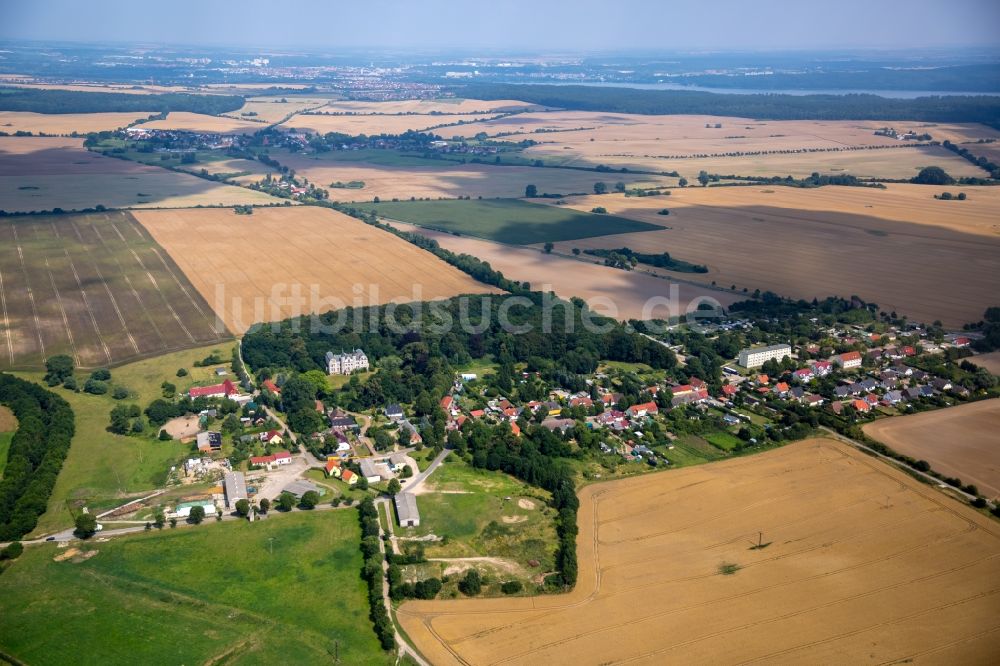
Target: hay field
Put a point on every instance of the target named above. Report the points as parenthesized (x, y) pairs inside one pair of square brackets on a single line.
[(95, 287), (43, 173), (959, 442), (66, 123), (200, 122), (608, 291), (897, 247), (258, 261), (380, 124), (863, 564), (451, 179), (426, 106), (272, 109), (15, 81)]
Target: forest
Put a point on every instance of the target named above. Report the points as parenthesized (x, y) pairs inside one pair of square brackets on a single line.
[(959, 109), (37, 451), (73, 101)]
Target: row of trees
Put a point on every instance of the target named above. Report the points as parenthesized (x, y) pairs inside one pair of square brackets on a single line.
[(371, 571), (37, 451)]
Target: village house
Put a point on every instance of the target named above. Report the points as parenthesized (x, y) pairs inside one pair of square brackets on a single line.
[(642, 410), (332, 467), (224, 390), (848, 360), (235, 487), (208, 442), (758, 356)]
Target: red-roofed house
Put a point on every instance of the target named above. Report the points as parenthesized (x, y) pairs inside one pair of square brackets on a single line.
[(447, 402), (861, 406), (349, 477), (683, 389), (271, 386), (822, 368), (962, 342), (271, 437), (644, 409), (477, 413), (332, 467), (516, 429), (581, 402), (781, 388), (697, 383), (223, 390), (730, 389), (282, 458), (261, 461), (803, 374), (763, 379)]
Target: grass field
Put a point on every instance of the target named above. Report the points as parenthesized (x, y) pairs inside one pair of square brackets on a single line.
[(469, 507), (102, 468), (66, 123), (959, 441), (273, 109), (609, 291), (211, 594), (723, 440), (96, 287), (251, 267), (806, 243), (507, 220), (44, 173), (876, 568)]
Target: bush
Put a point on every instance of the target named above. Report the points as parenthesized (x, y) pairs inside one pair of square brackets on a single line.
[(12, 551), (165, 436), (932, 175), (309, 500), (95, 387), (120, 393), (101, 374), (511, 587), (471, 584), (86, 525), (182, 373)]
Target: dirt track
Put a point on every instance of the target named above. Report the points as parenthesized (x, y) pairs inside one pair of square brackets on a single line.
[(863, 564)]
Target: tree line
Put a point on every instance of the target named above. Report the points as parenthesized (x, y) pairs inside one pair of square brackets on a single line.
[(37, 451), (967, 109), (74, 101)]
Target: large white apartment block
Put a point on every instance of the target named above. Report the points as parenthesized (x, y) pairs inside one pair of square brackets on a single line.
[(345, 364), (758, 356)]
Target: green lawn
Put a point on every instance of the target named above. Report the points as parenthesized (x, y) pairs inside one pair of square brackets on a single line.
[(5, 438), (101, 467), (471, 516), (723, 440), (506, 220), (208, 594)]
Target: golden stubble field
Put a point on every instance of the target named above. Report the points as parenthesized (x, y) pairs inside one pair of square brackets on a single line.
[(989, 361), (608, 291), (378, 124), (961, 442), (267, 266), (273, 109), (863, 564), (691, 143), (42, 173), (450, 179), (897, 247), (66, 123), (427, 106), (200, 122)]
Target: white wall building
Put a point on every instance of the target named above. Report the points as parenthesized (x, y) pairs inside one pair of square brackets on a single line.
[(758, 356), (346, 363)]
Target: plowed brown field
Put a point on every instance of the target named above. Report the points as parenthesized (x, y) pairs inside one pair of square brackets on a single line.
[(864, 564)]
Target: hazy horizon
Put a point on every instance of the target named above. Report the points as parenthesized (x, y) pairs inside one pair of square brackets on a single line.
[(632, 26)]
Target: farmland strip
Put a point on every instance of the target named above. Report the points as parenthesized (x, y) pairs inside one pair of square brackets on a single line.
[(6, 321), (27, 286), (90, 310)]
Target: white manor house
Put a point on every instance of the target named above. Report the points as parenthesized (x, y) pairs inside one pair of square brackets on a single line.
[(346, 363)]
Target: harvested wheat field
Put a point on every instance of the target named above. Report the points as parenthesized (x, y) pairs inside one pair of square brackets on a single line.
[(43, 173), (740, 146), (257, 268), (200, 122), (427, 106), (66, 123), (897, 247), (379, 124), (449, 179), (961, 442), (608, 291), (862, 564), (268, 110)]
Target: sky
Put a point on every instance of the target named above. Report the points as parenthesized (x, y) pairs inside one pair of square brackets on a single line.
[(516, 25)]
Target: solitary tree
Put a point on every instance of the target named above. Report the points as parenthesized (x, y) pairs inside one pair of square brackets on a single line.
[(394, 487), (242, 508), (683, 182), (265, 504), (471, 584), (197, 515), (286, 501), (530, 191), (548, 248), (703, 178), (600, 187), (86, 525), (309, 500)]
